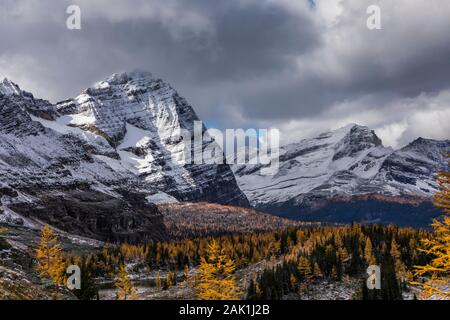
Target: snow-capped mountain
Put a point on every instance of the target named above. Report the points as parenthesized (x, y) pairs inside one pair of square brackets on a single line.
[(141, 117), (348, 174), (94, 165)]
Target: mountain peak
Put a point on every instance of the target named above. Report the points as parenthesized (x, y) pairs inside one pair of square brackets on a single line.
[(139, 74), (7, 87), (353, 127), (133, 97), (125, 77), (420, 141), (343, 131), (363, 133), (427, 146)]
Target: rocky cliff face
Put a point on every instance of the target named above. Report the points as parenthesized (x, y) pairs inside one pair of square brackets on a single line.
[(92, 165), (346, 175), (142, 117)]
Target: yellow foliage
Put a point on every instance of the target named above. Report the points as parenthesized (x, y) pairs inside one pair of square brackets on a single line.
[(304, 267), (216, 280), (123, 283), (368, 255), (50, 259), (400, 269), (170, 280), (132, 252), (442, 198), (158, 282), (317, 272), (437, 272)]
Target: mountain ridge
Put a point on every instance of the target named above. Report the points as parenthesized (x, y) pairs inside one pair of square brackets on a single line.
[(317, 174), (115, 143), (62, 164)]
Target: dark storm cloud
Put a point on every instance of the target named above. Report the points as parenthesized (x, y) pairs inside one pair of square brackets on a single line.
[(239, 62), (243, 42)]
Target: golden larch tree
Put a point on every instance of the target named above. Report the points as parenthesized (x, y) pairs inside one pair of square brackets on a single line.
[(215, 276), (368, 255), (158, 282), (170, 279), (49, 256), (123, 283), (304, 267), (317, 272), (437, 272), (400, 269)]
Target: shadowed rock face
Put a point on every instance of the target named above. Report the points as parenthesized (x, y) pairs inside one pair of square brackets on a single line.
[(88, 164), (97, 215), (416, 163)]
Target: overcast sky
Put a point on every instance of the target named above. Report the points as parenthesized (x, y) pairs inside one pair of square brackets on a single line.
[(301, 66)]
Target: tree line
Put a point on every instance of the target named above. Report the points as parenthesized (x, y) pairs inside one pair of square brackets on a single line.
[(294, 259)]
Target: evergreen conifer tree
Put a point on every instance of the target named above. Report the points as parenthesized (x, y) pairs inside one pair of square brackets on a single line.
[(216, 279), (126, 290), (50, 258)]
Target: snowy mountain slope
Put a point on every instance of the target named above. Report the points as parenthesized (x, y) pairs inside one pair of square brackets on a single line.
[(92, 165), (141, 117), (328, 161), (412, 169), (346, 165), (52, 176)]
